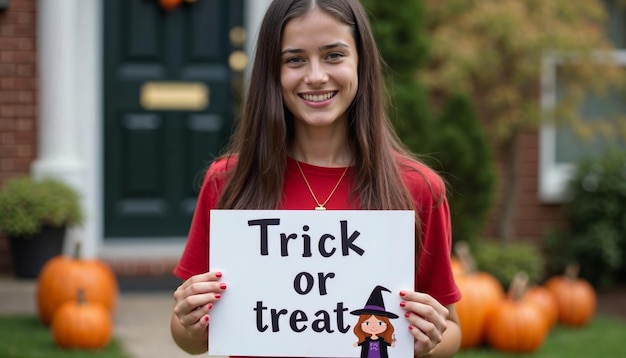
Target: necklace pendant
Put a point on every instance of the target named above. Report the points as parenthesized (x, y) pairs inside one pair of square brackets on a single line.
[(320, 206)]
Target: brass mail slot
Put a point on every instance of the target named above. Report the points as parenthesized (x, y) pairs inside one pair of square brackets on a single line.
[(186, 96)]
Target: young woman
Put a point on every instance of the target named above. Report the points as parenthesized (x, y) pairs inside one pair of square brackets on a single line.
[(314, 134)]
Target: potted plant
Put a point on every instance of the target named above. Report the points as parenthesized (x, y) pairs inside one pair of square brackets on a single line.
[(34, 215)]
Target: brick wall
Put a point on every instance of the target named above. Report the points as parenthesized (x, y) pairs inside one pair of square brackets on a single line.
[(142, 267), (18, 96)]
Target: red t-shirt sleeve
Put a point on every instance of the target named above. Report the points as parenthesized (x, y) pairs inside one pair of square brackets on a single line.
[(434, 273), (195, 257)]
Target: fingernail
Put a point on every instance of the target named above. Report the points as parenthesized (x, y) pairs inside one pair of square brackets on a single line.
[(218, 274), (223, 286), (217, 295), (402, 293), (402, 304), (407, 314), (206, 318), (209, 306), (410, 328)]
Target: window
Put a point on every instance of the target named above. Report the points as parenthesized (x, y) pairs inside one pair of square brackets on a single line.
[(560, 148)]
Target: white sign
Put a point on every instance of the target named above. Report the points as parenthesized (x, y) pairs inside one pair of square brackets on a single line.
[(300, 281)]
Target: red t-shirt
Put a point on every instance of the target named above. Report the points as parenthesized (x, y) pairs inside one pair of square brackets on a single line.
[(434, 275)]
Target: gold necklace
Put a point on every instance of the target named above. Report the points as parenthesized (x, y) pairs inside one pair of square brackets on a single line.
[(320, 206)]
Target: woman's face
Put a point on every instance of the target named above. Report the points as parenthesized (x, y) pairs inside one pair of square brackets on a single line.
[(319, 61), (373, 325)]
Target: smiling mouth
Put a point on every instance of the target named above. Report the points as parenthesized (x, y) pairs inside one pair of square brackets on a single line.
[(318, 97)]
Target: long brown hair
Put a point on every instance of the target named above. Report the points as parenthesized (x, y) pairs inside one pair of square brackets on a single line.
[(387, 335), (266, 130)]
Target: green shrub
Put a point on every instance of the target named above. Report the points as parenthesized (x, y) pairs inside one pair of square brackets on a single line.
[(596, 215), (504, 260), (401, 39), (454, 144), (27, 204), (464, 158), (400, 35)]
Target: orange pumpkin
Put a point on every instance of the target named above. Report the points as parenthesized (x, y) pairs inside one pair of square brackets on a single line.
[(457, 266), (545, 300), (575, 297), (62, 276), (81, 324), (170, 5), (516, 325), (481, 292)]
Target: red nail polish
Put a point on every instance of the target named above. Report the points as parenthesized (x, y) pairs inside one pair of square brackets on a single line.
[(410, 328), (402, 293), (217, 296), (407, 314), (402, 304), (206, 318), (218, 274), (223, 286), (210, 305)]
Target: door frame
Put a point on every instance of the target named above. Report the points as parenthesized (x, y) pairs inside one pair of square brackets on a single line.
[(73, 41)]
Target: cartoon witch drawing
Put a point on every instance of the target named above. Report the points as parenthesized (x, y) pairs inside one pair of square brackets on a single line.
[(373, 329)]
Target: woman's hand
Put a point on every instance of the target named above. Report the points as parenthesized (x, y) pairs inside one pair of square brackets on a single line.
[(193, 301), (427, 320)]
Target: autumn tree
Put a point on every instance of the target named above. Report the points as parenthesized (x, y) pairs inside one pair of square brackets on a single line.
[(492, 50)]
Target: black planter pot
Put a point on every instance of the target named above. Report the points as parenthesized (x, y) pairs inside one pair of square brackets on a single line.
[(30, 253)]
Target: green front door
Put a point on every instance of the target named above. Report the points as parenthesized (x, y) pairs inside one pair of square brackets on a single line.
[(168, 109)]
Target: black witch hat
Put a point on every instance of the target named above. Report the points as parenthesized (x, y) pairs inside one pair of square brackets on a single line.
[(375, 304)]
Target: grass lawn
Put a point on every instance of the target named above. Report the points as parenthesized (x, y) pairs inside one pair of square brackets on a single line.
[(27, 337), (603, 337)]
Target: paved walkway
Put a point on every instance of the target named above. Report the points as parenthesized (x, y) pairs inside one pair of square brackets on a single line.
[(141, 319)]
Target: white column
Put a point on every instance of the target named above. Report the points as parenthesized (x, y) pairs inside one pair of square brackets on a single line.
[(88, 118), (254, 10), (58, 152)]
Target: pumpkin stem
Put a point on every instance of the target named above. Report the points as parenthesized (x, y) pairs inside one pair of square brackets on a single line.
[(518, 286), (571, 271), (77, 248), (464, 254), (80, 296)]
